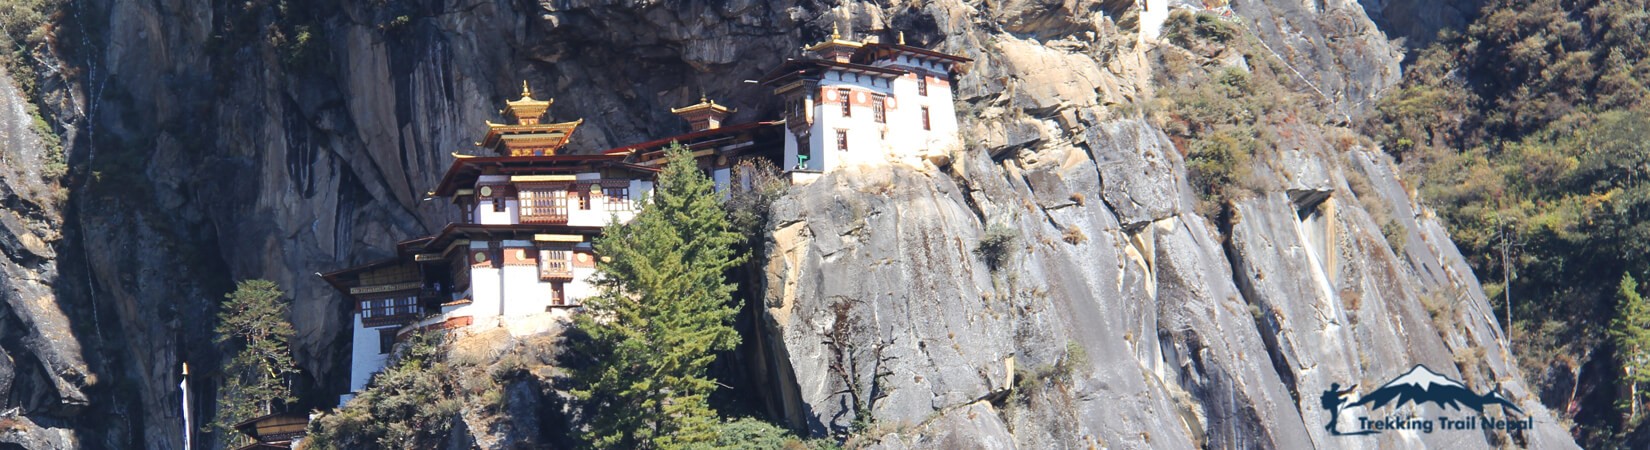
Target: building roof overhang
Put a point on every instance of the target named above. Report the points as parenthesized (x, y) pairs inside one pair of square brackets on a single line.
[(704, 106), (880, 51), (810, 68), (552, 134), (464, 171), (697, 138), (454, 232)]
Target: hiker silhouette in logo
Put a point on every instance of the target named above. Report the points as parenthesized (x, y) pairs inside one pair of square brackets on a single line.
[(1333, 399)]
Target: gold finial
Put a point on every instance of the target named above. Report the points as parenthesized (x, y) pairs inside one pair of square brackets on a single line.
[(836, 31), (525, 92), (702, 94), (902, 38)]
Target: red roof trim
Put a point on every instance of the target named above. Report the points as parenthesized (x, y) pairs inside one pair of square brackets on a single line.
[(801, 66), (445, 188), (628, 149), (869, 49)]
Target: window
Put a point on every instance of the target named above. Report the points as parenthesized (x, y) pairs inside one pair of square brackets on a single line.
[(618, 198), (925, 124), (555, 265), (584, 198), (386, 340), (879, 108), (845, 95), (498, 204), (543, 205), (389, 307), (922, 84), (842, 140), (558, 294)]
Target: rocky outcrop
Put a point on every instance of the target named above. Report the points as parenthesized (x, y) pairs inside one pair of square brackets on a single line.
[(1123, 317), (263, 139), (44, 377)]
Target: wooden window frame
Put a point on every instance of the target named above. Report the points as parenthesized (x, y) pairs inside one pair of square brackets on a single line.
[(386, 340), (879, 108), (847, 96), (558, 294), (389, 309), (926, 125), (555, 264), (552, 209), (841, 140), (922, 85), (617, 197)]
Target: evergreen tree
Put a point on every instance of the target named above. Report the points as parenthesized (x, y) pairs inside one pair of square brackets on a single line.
[(254, 320), (1631, 332), (664, 309)]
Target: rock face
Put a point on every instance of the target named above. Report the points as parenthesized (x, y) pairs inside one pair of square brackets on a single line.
[(228, 140)]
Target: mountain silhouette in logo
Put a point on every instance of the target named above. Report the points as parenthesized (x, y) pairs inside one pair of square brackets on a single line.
[(1422, 385)]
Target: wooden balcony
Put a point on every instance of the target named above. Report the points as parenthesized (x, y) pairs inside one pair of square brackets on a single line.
[(555, 270), (546, 218)]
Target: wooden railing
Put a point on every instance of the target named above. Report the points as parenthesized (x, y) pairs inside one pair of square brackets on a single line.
[(544, 216)]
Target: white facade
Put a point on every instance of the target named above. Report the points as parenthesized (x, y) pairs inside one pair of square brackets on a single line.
[(903, 134), (509, 282), (365, 359)]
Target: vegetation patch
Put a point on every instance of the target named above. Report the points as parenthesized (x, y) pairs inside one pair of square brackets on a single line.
[(1222, 98), (1530, 134), (998, 245)]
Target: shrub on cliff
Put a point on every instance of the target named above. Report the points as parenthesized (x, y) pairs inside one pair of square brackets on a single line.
[(254, 321), (410, 404), (663, 312)]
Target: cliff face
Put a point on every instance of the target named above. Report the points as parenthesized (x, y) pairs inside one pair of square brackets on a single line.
[(216, 141)]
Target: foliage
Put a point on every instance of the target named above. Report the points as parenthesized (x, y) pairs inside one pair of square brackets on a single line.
[(754, 186), (411, 404), (25, 25), (1528, 132), (254, 320), (1194, 30), (1223, 117), (1630, 331), (997, 247), (663, 312), (751, 434)]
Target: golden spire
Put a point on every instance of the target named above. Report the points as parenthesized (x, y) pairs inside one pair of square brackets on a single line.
[(836, 42), (902, 37), (526, 110)]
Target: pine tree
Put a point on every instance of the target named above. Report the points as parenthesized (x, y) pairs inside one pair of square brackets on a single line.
[(1631, 333), (254, 320), (664, 309)]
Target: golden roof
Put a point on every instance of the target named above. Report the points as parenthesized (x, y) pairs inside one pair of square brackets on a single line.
[(836, 40), (526, 108), (703, 105)]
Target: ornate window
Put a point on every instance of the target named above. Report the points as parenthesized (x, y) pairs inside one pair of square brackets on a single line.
[(842, 140), (879, 108), (389, 310), (922, 84), (555, 265), (544, 204), (925, 124), (846, 95)]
